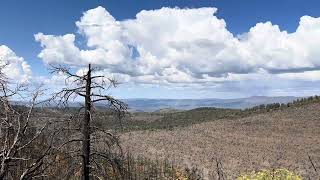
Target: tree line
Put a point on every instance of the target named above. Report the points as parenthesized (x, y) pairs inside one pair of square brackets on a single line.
[(276, 106)]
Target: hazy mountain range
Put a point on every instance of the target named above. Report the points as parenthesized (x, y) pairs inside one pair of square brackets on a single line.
[(185, 104), (148, 105)]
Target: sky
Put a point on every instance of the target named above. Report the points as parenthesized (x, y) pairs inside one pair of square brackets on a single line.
[(168, 48)]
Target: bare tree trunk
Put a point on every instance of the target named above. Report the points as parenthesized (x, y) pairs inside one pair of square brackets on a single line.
[(86, 128), (3, 171)]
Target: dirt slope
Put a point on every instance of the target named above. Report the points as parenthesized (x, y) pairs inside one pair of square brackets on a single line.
[(276, 139)]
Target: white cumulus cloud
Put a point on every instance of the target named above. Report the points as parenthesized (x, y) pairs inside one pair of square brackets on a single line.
[(16, 69), (184, 46)]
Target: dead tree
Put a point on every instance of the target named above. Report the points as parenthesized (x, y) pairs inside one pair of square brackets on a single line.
[(2, 76), (90, 87), (19, 136)]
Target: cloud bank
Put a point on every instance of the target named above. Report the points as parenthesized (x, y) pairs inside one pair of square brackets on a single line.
[(187, 47)]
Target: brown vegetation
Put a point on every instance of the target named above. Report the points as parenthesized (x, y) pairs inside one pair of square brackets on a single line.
[(287, 138)]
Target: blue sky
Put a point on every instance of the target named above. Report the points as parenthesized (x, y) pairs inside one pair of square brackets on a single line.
[(21, 20)]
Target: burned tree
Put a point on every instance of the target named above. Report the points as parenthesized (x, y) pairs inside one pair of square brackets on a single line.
[(90, 87), (3, 81), (23, 154)]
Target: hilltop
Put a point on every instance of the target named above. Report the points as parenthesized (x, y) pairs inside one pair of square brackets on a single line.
[(170, 118)]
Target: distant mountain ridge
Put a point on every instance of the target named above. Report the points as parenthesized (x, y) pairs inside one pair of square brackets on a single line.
[(187, 104), (159, 105)]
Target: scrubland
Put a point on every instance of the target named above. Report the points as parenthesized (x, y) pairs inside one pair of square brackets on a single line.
[(203, 143), (284, 138)]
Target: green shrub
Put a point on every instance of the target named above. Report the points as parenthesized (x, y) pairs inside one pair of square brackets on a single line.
[(277, 174)]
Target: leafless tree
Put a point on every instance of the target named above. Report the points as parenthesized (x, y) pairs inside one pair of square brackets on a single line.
[(19, 136), (91, 88), (2, 76)]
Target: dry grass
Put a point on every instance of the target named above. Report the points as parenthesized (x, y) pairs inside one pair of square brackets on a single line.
[(279, 139)]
